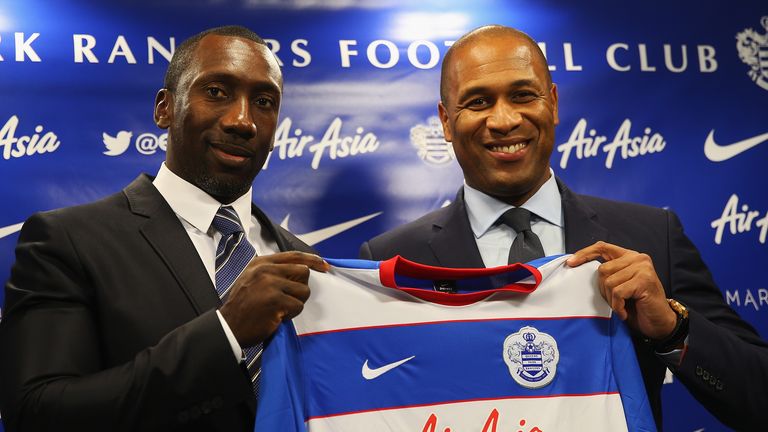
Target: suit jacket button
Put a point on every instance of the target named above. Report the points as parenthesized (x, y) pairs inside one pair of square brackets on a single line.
[(207, 407), (705, 375), (719, 385), (712, 380), (698, 370), (183, 416), (195, 412), (218, 402)]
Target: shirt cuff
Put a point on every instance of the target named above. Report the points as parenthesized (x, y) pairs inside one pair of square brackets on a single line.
[(675, 357), (236, 350)]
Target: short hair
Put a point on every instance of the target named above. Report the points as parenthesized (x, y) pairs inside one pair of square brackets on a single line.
[(493, 29), (183, 54)]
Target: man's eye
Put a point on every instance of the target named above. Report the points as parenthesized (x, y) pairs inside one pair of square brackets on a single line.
[(478, 102), (524, 97), (215, 92), (264, 101)]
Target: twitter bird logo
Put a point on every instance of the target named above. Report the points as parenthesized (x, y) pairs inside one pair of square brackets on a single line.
[(116, 145)]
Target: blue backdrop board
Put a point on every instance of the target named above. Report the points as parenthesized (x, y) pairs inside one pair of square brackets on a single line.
[(662, 104)]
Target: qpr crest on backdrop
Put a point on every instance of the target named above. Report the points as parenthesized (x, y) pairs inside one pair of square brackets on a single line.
[(532, 357), (430, 142), (753, 51)]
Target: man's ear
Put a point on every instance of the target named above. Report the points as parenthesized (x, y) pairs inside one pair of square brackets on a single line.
[(553, 93), (443, 113), (163, 108)]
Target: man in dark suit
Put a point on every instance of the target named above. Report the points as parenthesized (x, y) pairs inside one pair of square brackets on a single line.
[(113, 320), (499, 109)]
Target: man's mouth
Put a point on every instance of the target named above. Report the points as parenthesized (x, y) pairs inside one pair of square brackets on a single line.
[(508, 148), (231, 149), (230, 154)]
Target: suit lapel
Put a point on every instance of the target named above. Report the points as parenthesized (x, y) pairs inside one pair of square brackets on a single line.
[(453, 242), (167, 236), (582, 226), (282, 243)]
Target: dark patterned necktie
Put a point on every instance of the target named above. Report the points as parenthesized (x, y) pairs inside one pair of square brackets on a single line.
[(232, 256), (527, 246)]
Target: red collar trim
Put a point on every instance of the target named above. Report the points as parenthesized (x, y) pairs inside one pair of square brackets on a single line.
[(400, 266)]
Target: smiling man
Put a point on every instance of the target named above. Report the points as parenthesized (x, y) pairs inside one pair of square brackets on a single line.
[(499, 109), (147, 310)]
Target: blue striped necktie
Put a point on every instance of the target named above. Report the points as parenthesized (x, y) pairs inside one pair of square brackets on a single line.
[(232, 256)]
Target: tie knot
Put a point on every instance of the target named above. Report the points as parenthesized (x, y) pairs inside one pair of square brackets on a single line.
[(226, 221), (519, 219)]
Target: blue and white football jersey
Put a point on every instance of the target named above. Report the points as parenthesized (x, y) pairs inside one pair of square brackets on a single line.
[(399, 346)]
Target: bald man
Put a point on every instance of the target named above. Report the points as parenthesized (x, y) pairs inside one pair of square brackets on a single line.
[(499, 109)]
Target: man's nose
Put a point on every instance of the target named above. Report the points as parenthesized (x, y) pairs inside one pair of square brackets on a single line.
[(237, 118), (504, 117)]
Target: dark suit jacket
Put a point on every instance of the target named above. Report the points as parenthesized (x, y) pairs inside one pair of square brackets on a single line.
[(110, 324), (726, 365)]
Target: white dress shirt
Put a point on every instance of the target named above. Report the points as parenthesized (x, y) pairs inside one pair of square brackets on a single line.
[(196, 210), (495, 238)]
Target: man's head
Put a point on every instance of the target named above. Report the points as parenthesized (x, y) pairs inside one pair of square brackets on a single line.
[(499, 109), (220, 104)]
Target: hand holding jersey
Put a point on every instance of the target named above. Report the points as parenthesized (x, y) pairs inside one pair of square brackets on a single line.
[(271, 289), (630, 285)]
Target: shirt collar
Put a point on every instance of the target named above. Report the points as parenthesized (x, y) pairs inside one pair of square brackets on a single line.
[(484, 210), (195, 206)]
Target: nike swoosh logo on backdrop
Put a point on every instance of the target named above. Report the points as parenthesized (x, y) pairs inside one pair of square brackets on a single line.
[(718, 153), (370, 374), (314, 237), (10, 229)]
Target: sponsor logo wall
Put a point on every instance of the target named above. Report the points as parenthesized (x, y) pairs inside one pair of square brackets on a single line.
[(665, 106)]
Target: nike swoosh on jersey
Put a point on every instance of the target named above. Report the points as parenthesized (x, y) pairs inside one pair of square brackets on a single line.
[(10, 229), (314, 237), (370, 374), (718, 152)]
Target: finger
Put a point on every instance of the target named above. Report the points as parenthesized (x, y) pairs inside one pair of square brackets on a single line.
[(601, 249), (295, 272), (618, 304), (604, 290), (616, 298), (296, 290), (616, 277), (586, 254), (291, 307), (257, 273), (616, 267), (636, 268), (312, 261)]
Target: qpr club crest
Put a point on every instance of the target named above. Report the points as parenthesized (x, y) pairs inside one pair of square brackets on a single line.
[(532, 357), (753, 51), (430, 142)]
